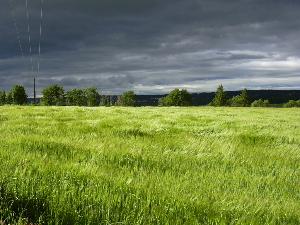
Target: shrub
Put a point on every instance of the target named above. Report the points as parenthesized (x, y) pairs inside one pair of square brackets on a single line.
[(177, 98), (260, 103), (53, 95), (127, 99), (92, 97), (2, 98), (9, 98), (76, 97), (241, 100), (292, 104), (105, 101)]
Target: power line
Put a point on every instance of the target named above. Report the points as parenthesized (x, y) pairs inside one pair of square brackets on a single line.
[(29, 33), (40, 37), (29, 38), (12, 6)]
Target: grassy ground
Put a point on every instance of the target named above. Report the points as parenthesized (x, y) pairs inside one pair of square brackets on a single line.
[(149, 165)]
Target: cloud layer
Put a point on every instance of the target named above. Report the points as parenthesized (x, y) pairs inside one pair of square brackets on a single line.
[(154, 46)]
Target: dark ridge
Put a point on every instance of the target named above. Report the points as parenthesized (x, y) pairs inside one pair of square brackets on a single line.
[(274, 96), (200, 99)]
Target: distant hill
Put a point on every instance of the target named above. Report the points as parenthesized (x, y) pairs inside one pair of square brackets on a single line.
[(199, 99), (274, 96)]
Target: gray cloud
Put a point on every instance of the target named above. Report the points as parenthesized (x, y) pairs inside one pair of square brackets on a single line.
[(154, 46)]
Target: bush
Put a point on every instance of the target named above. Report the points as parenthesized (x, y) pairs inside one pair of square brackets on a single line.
[(127, 99), (76, 97), (9, 98), (292, 104), (2, 98), (260, 103), (241, 100), (105, 101), (177, 98), (92, 97), (53, 95)]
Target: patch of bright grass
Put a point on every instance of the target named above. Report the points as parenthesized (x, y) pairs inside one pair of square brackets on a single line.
[(149, 165)]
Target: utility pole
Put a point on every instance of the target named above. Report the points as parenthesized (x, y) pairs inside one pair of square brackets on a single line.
[(34, 91)]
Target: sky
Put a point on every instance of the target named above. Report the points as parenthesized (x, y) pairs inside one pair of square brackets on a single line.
[(152, 46)]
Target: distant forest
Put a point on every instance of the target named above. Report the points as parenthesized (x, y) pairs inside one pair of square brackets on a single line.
[(201, 99)]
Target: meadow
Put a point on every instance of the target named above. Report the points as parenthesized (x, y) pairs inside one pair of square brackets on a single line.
[(164, 166)]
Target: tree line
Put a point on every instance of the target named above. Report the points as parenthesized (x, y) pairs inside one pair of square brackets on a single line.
[(243, 100), (55, 95), (17, 95)]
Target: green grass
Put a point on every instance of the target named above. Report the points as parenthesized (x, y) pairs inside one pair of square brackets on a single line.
[(149, 165)]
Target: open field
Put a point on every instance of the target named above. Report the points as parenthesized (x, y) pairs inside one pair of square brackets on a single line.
[(149, 165)]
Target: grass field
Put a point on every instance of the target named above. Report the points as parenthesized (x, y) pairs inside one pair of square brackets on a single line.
[(149, 165)]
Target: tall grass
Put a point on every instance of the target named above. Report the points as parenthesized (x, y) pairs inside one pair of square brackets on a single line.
[(149, 165)]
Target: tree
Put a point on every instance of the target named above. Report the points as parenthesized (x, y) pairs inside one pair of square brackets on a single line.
[(2, 98), (260, 103), (76, 97), (9, 98), (245, 98), (241, 100), (19, 95), (292, 104), (220, 98), (127, 99), (177, 98), (92, 97), (105, 101), (53, 95), (162, 101)]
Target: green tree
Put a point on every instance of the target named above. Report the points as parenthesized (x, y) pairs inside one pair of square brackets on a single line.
[(19, 95), (177, 97), (241, 100), (76, 97), (9, 98), (92, 97), (220, 98), (292, 104), (245, 98), (2, 98), (162, 101), (105, 101), (127, 99), (53, 95), (260, 103)]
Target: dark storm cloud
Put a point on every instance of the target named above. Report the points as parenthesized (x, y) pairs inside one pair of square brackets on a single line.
[(154, 46)]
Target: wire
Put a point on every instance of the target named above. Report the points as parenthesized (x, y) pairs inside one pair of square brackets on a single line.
[(12, 6), (21, 46), (29, 33), (40, 37)]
